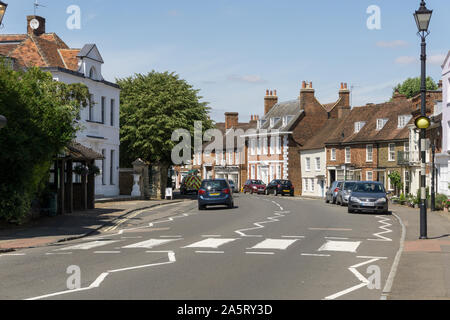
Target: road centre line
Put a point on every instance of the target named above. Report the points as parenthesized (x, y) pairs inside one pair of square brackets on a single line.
[(293, 237), (106, 252), (315, 255), (336, 238), (210, 252), (260, 253), (330, 229)]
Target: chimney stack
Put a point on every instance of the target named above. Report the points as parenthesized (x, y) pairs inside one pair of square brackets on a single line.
[(231, 120), (35, 25), (270, 100), (344, 94), (306, 94), (440, 84)]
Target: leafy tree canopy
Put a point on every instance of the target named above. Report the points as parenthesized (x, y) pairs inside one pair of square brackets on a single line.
[(411, 86), (42, 119), (152, 107)]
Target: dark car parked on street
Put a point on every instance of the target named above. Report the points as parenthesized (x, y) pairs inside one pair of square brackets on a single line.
[(254, 186), (283, 187), (368, 197), (344, 193), (214, 193), (332, 192)]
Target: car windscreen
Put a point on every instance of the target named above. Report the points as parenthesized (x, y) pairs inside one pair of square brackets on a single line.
[(214, 185), (286, 183), (256, 182), (368, 188), (349, 186)]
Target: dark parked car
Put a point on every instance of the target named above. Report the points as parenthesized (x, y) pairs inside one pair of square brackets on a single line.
[(368, 197), (282, 187), (332, 192), (344, 193), (254, 186), (215, 192), (233, 186)]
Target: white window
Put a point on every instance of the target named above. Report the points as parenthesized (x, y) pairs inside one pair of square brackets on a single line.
[(238, 157), (260, 146), (253, 172), (406, 147), (389, 181), (286, 120), (392, 152), (261, 123), (381, 123), (348, 155), (369, 153), (333, 154), (312, 185), (265, 148), (253, 146), (230, 157), (308, 164), (273, 121), (306, 184), (278, 171), (359, 125), (369, 176), (278, 145), (273, 145), (403, 120), (318, 164)]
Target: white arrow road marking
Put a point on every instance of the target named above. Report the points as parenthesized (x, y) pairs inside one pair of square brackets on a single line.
[(274, 244), (210, 243), (383, 227), (99, 280), (364, 281), (88, 245), (149, 244)]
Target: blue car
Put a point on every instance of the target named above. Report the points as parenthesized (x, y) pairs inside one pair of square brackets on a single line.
[(215, 192)]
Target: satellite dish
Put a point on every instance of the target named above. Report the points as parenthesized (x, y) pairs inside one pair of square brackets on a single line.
[(34, 24)]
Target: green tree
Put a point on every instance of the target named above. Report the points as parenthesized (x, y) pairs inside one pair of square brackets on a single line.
[(396, 181), (42, 119), (152, 107), (411, 86)]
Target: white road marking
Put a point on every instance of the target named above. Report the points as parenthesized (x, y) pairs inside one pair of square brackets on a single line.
[(293, 237), (358, 275), (211, 236), (170, 237), (336, 238), (274, 244), (259, 225), (139, 237), (260, 253), (383, 227), (315, 255), (13, 254), (210, 243), (106, 252), (210, 252), (330, 229), (88, 245), (58, 253), (148, 244), (340, 246)]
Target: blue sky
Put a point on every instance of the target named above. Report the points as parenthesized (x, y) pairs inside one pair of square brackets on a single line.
[(234, 50)]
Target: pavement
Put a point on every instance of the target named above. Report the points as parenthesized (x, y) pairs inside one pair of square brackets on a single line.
[(424, 269), (49, 230)]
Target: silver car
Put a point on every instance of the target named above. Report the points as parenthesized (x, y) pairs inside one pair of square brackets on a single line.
[(344, 193), (332, 192)]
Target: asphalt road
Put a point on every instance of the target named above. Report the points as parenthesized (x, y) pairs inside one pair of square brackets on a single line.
[(265, 248)]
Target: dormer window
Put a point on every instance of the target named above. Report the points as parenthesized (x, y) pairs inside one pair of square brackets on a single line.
[(261, 123), (381, 123), (403, 120), (359, 125), (273, 121), (286, 120)]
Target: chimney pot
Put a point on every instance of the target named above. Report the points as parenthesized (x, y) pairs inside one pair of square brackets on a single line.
[(275, 93), (267, 92), (304, 85)]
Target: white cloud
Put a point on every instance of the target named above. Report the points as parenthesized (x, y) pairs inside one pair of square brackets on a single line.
[(246, 78), (392, 44), (406, 60), (437, 59)]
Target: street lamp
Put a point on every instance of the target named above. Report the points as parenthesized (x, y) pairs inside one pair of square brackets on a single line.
[(3, 7), (423, 17), (3, 122)]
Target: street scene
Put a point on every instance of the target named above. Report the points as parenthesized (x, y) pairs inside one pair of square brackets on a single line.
[(225, 163)]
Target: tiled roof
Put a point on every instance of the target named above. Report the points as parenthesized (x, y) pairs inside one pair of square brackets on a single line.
[(81, 153), (320, 138), (46, 50), (345, 130)]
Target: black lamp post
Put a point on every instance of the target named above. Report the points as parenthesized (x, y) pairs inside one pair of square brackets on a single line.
[(423, 17), (3, 7)]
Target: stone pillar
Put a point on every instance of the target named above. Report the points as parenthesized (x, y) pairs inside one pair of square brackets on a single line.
[(141, 168)]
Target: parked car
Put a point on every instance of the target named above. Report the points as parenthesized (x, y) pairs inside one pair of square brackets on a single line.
[(344, 193), (215, 192), (233, 186), (254, 186), (332, 192), (368, 197), (282, 187)]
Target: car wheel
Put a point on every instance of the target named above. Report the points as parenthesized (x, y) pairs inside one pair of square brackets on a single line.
[(326, 200), (266, 192), (351, 211), (201, 208), (231, 205)]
